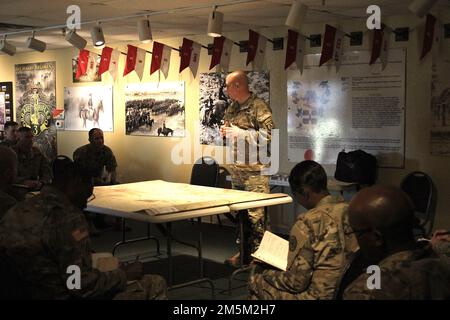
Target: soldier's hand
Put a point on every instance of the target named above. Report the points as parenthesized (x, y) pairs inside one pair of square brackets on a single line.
[(134, 271)]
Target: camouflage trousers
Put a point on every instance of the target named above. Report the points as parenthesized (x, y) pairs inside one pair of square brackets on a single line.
[(260, 289), (150, 287), (254, 223)]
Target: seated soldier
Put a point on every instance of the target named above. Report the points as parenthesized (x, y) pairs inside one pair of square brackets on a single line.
[(382, 218), (10, 134), (96, 157), (100, 162), (8, 173), (34, 168), (318, 246), (50, 230)]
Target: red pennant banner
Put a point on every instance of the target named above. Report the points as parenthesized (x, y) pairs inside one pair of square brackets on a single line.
[(83, 58), (217, 51), (429, 35), (105, 60), (328, 44), (291, 50), (186, 51), (157, 53), (131, 59), (252, 45)]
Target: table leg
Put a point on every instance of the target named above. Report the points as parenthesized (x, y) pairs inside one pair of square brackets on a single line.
[(169, 252), (200, 243)]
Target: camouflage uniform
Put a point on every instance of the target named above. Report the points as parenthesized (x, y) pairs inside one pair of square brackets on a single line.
[(318, 251), (49, 231), (33, 165), (252, 116), (406, 275), (6, 202), (94, 160), (7, 143)]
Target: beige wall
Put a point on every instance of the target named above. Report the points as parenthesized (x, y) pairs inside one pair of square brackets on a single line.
[(142, 158)]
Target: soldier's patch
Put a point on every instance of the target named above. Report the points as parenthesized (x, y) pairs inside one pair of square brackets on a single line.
[(80, 234), (292, 243)]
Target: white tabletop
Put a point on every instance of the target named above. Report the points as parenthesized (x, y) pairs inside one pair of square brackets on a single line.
[(159, 201)]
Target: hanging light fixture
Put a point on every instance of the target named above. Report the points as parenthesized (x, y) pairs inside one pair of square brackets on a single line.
[(144, 30), (421, 7), (36, 44), (215, 23), (7, 47), (74, 39), (97, 35), (296, 15)]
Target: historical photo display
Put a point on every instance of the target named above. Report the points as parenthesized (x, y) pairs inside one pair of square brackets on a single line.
[(155, 109), (6, 103), (88, 107), (214, 101)]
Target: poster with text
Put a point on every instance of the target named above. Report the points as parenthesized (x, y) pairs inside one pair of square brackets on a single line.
[(35, 101), (6, 107), (88, 107), (214, 101), (155, 109), (360, 107), (440, 106)]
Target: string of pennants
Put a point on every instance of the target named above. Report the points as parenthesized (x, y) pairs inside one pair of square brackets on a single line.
[(332, 49)]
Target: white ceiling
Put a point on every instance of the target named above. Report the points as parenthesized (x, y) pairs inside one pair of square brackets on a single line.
[(29, 14)]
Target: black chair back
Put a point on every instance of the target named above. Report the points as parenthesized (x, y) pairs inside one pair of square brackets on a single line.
[(205, 172), (420, 188)]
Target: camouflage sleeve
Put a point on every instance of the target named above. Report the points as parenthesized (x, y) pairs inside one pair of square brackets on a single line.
[(263, 115), (70, 244), (297, 277)]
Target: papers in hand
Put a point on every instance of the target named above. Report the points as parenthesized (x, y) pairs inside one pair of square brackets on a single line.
[(273, 250)]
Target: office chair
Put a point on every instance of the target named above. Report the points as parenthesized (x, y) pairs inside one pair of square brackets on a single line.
[(422, 192), (205, 172)]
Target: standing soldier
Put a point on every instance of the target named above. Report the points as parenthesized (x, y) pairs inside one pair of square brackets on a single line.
[(248, 119)]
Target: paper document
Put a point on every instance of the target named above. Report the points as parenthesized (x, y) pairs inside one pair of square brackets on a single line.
[(273, 250)]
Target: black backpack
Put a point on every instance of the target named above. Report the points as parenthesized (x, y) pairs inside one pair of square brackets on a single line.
[(356, 166)]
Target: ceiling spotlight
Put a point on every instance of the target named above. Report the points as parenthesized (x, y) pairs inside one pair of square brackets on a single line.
[(97, 36), (296, 15), (36, 44), (74, 39), (7, 47), (421, 7), (215, 23), (144, 30)]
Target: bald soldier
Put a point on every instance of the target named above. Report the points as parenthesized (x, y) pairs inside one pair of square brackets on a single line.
[(320, 244), (8, 174), (50, 231), (248, 119), (382, 218)]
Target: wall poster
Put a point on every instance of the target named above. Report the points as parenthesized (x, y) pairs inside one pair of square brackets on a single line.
[(35, 101), (88, 107), (440, 106), (214, 101), (6, 103), (360, 107), (155, 109)]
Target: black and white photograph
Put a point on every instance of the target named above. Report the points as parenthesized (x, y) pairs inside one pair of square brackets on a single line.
[(88, 107), (155, 109), (214, 101)]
